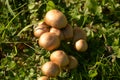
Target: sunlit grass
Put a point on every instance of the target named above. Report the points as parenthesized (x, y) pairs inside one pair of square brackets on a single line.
[(21, 57)]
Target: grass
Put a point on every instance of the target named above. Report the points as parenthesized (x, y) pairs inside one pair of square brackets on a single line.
[(21, 57)]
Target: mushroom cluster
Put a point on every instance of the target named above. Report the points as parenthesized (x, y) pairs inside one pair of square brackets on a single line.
[(58, 60), (54, 29)]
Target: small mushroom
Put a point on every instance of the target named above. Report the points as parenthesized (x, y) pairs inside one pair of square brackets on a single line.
[(40, 29), (68, 32), (60, 58), (49, 41), (81, 45), (50, 69), (78, 34), (73, 62)]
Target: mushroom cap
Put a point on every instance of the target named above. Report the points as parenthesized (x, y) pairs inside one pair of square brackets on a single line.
[(78, 34), (43, 78), (55, 18), (50, 69), (49, 41), (60, 58), (81, 45), (73, 62), (68, 32), (40, 29), (58, 32)]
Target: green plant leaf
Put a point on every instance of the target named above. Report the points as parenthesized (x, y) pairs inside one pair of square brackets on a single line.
[(11, 65), (92, 6), (3, 63), (92, 73), (116, 42), (116, 50), (50, 5), (31, 6)]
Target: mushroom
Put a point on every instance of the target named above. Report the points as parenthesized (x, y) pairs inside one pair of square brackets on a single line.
[(40, 29), (68, 32), (58, 32), (73, 62), (43, 78), (55, 18), (50, 69), (78, 34), (49, 41), (81, 45), (60, 58)]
